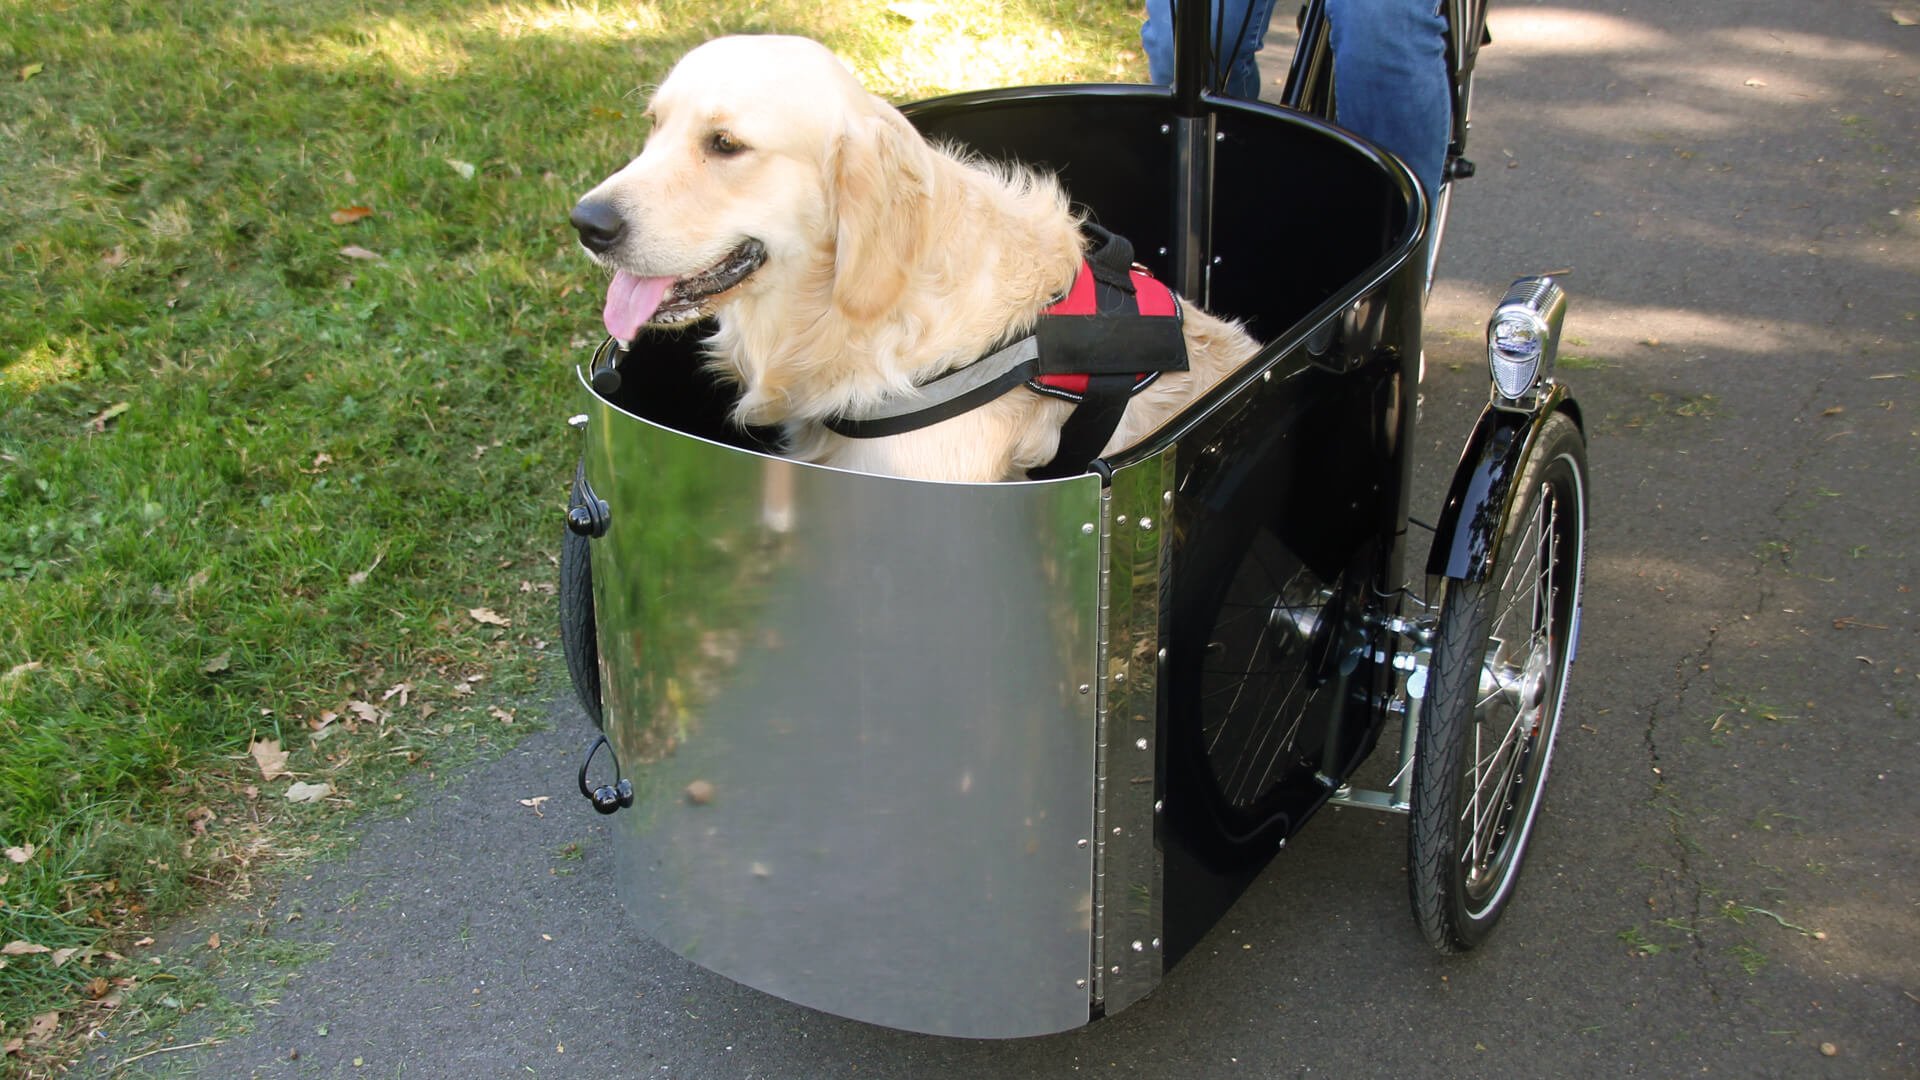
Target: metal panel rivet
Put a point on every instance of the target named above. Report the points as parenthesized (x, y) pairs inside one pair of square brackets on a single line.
[(1146, 524), (1139, 946), (1163, 656), (1119, 676), (1085, 688), (1158, 805), (577, 420), (1080, 843), (1139, 744), (1087, 529), (1156, 943), (1081, 983), (1116, 969), (1166, 498)]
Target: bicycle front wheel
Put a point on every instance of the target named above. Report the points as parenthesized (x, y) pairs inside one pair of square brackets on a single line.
[(1498, 677)]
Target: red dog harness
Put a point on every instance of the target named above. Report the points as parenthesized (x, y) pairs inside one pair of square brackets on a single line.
[(1113, 333)]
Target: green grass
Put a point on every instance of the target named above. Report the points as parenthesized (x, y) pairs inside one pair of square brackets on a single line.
[(246, 480)]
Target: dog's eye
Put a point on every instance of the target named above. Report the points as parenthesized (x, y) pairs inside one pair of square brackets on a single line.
[(724, 144)]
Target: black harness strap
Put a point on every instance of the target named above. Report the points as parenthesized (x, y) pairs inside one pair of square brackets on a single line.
[(1089, 426), (1095, 347)]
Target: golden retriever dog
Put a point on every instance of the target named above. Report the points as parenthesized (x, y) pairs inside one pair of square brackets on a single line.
[(847, 262)]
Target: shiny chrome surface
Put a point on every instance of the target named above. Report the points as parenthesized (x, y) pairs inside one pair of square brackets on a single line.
[(851, 707), (1128, 958), (1523, 338)]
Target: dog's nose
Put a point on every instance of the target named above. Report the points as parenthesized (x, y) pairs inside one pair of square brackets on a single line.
[(599, 224)]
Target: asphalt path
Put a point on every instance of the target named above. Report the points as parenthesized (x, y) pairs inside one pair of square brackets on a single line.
[(1726, 878)]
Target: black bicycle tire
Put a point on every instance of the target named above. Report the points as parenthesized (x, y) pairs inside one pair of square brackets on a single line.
[(1437, 884)]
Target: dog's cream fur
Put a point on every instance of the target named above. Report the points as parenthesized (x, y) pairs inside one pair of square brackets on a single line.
[(889, 260)]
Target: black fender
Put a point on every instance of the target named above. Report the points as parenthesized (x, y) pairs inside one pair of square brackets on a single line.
[(1466, 539)]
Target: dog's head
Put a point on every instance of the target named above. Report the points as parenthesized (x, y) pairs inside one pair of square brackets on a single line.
[(769, 167)]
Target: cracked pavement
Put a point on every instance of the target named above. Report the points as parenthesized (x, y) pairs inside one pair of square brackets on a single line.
[(1726, 874)]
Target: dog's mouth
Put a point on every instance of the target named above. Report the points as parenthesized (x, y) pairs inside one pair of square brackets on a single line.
[(634, 301)]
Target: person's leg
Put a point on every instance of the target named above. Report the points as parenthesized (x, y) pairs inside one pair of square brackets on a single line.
[(1390, 79), (1156, 37), (1242, 22)]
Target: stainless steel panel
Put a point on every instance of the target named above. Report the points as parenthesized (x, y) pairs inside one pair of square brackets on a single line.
[(1128, 954), (859, 713)]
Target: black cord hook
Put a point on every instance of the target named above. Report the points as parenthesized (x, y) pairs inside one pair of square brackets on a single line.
[(608, 797)]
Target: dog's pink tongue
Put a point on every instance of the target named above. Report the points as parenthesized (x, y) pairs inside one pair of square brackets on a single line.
[(631, 301)]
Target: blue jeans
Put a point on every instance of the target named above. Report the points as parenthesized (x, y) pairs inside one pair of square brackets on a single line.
[(1389, 69)]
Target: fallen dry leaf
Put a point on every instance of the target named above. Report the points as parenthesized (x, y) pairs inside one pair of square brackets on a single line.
[(366, 711), (505, 716), (1900, 18), (272, 759), (700, 792), (359, 577), (464, 168), (42, 1027), (303, 792), (22, 948), (61, 956), (347, 215), (28, 71), (534, 804), (106, 416), (21, 854), (218, 664), (399, 690), (488, 616), (18, 670), (115, 258), (355, 251), (213, 941)]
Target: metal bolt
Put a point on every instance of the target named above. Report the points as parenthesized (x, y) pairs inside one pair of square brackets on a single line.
[(1117, 832), (1146, 524), (1156, 943), (1087, 529), (1165, 128), (1081, 983), (1121, 520), (1163, 656), (1158, 805), (1220, 136), (1086, 689), (1116, 969), (1139, 946), (1166, 498), (1080, 843), (1139, 744), (577, 420)]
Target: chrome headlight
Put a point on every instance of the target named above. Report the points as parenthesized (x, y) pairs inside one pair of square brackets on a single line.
[(1524, 336)]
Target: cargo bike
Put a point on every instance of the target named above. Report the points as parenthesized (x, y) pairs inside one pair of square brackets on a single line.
[(984, 760)]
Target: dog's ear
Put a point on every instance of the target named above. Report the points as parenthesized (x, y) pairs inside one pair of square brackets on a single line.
[(881, 172)]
